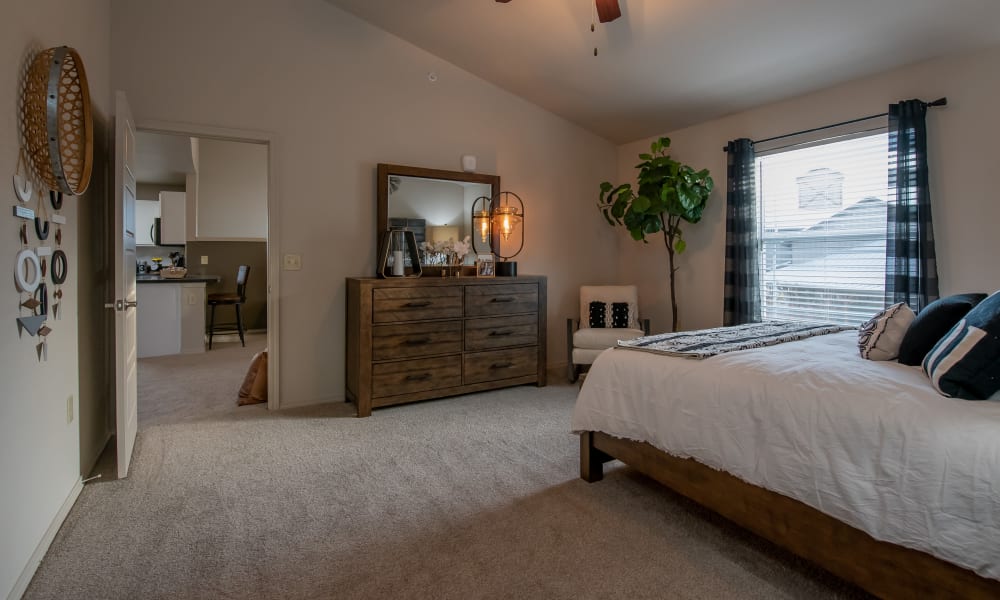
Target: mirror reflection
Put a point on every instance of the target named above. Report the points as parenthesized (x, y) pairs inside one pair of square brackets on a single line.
[(439, 213)]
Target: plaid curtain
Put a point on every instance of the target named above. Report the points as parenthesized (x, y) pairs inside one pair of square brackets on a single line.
[(910, 265), (742, 303)]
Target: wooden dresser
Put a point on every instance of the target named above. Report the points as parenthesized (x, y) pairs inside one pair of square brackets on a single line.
[(429, 337)]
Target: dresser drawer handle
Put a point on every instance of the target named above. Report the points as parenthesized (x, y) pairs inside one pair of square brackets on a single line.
[(503, 365), (421, 377), (417, 342), (499, 300), (501, 333), (420, 304)]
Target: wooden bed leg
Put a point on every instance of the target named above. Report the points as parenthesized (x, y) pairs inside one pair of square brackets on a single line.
[(591, 459)]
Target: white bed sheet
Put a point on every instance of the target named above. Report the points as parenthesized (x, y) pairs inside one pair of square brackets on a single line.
[(869, 443)]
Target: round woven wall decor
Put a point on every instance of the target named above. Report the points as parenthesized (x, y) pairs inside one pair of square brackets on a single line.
[(56, 120)]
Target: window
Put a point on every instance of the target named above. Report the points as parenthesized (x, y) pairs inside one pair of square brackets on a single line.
[(823, 230)]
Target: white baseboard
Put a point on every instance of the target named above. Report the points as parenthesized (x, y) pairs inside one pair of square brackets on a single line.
[(43, 546)]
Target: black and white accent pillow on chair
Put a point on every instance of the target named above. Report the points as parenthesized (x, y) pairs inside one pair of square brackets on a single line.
[(609, 314), (609, 307), (598, 315), (880, 337)]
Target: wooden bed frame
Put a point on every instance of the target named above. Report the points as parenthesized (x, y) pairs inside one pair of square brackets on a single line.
[(882, 568)]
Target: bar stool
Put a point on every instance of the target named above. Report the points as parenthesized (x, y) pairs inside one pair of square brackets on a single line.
[(230, 299)]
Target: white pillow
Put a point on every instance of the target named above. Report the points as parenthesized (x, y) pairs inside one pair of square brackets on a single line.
[(881, 336)]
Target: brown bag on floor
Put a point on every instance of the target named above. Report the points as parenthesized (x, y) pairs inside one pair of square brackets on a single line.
[(254, 382)]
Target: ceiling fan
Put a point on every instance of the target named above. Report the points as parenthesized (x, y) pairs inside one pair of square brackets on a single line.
[(607, 10)]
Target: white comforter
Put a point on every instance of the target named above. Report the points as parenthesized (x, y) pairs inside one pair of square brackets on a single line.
[(870, 443)]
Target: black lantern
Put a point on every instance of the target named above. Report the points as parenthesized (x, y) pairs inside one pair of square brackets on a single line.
[(398, 255)]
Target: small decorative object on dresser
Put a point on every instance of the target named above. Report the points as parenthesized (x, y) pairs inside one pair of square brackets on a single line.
[(417, 339), (398, 255), (484, 266)]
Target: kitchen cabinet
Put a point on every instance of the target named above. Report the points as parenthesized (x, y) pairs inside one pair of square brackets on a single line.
[(146, 212), (173, 218)]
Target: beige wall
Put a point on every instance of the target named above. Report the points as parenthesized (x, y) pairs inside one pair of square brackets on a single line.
[(40, 454), (224, 260), (339, 97), (963, 153), (231, 202)]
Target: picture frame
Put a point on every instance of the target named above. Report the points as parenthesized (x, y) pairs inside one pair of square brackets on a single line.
[(485, 266)]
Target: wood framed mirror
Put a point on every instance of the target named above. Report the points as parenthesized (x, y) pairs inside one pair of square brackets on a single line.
[(434, 204)]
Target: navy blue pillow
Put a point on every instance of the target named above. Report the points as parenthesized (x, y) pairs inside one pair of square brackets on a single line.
[(932, 323), (966, 362)]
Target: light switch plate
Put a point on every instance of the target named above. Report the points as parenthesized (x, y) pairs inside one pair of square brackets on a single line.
[(204, 260), (292, 262)]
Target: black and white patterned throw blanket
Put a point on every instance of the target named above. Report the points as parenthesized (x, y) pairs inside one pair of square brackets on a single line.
[(709, 342)]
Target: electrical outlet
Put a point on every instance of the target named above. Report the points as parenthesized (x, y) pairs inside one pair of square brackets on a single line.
[(293, 262), (204, 260), (69, 409)]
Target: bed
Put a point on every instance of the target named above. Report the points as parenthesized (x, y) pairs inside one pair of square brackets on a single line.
[(857, 465)]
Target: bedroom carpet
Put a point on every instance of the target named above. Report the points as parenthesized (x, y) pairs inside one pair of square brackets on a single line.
[(470, 497)]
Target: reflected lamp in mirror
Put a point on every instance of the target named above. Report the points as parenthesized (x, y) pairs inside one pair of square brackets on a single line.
[(507, 216), (482, 225), (443, 233)]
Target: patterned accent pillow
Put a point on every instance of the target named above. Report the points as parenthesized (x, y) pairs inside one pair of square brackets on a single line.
[(617, 311), (597, 314), (619, 315), (932, 324), (879, 338), (965, 363)]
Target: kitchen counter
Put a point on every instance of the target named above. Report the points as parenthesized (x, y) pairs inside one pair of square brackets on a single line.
[(186, 279), (171, 317)]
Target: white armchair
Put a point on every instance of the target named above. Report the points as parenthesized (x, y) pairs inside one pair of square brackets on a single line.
[(608, 313)]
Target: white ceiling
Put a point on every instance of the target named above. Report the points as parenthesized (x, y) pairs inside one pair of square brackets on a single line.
[(667, 64), (162, 158)]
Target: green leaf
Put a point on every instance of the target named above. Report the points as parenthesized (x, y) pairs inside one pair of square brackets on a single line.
[(618, 208), (645, 156), (680, 245), (608, 217), (606, 187)]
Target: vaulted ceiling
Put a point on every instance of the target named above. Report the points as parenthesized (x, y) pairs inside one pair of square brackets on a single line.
[(667, 64)]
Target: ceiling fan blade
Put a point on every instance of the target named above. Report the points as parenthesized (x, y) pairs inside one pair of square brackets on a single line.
[(504, 1), (607, 10)]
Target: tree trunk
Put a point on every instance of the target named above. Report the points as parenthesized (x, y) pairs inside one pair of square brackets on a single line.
[(669, 231)]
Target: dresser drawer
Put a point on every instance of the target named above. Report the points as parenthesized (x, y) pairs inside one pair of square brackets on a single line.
[(406, 376), (500, 364), (500, 299), (486, 333), (410, 340), (391, 305)]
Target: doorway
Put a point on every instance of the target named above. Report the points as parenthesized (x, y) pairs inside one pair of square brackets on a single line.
[(204, 211)]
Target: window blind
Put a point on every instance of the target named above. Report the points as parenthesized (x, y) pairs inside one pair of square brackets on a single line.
[(823, 230)]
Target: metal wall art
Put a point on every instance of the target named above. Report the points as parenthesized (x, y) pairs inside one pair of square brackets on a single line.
[(56, 156)]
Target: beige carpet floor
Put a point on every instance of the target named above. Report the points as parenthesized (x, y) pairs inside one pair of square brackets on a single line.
[(469, 497)]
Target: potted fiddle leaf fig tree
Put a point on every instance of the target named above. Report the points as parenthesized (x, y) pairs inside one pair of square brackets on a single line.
[(666, 194)]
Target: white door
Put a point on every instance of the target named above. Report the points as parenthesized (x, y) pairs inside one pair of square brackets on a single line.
[(124, 303)]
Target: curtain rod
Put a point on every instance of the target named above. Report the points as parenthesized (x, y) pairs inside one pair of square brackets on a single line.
[(938, 102)]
